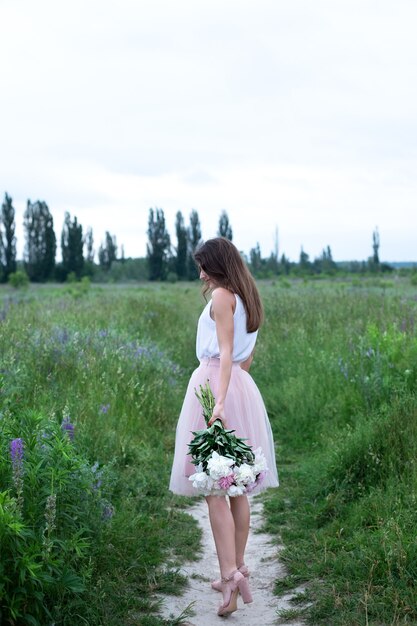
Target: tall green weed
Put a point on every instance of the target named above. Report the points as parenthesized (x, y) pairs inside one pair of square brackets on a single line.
[(52, 508)]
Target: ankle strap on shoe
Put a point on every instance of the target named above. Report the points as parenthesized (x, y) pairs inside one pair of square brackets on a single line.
[(226, 579)]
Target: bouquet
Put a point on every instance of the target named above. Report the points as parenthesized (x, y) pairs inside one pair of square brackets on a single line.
[(225, 464)]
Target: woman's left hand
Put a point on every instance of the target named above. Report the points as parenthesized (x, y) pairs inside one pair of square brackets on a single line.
[(218, 414)]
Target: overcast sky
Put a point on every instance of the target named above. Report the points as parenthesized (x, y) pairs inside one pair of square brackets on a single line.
[(294, 115)]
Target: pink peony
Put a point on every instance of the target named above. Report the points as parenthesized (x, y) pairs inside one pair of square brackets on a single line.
[(226, 481)]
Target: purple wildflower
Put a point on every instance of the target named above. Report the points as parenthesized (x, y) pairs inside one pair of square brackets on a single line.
[(97, 473), (42, 438), (50, 517), (50, 510), (62, 335), (16, 455), (16, 452), (108, 512), (68, 427), (226, 481), (343, 368), (104, 408)]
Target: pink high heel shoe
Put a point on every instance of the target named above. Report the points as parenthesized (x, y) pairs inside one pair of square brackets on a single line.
[(217, 584), (230, 587)]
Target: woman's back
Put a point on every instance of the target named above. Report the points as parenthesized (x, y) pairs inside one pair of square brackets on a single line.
[(207, 345)]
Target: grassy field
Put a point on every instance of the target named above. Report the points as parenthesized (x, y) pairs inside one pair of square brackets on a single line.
[(91, 383)]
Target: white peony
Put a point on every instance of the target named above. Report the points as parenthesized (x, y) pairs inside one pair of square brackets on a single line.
[(260, 464), (219, 466), (235, 490), (244, 474), (202, 482)]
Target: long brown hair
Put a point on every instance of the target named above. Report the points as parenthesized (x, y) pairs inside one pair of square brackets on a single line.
[(220, 259)]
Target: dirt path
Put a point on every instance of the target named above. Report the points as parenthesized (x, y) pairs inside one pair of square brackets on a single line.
[(262, 559)]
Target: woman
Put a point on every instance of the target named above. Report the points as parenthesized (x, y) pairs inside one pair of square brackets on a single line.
[(226, 336)]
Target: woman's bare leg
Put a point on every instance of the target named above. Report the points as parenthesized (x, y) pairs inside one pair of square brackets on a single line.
[(223, 527), (240, 509)]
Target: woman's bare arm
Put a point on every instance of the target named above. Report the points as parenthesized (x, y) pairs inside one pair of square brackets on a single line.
[(222, 307), (245, 365)]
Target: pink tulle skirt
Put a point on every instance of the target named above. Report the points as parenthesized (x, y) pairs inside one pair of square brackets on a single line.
[(245, 413)]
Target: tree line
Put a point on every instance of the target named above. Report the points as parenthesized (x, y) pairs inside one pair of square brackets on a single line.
[(175, 262), (165, 259), (77, 247), (170, 262), (39, 256)]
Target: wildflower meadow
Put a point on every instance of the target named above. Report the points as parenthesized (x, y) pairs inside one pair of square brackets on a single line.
[(91, 384)]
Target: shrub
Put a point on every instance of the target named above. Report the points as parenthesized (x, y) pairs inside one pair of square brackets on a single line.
[(172, 277), (18, 279), (71, 277), (77, 289)]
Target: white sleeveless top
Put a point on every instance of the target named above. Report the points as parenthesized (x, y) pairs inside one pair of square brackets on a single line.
[(243, 342)]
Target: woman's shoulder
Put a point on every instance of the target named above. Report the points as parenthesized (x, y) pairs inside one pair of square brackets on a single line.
[(221, 293), (222, 298)]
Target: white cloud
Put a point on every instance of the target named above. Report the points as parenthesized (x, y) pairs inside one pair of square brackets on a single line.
[(298, 115)]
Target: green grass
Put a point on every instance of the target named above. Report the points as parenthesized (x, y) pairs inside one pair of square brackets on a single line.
[(108, 360), (340, 389), (336, 362)]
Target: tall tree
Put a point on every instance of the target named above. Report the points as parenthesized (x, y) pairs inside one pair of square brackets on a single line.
[(181, 258), (328, 263), (225, 229), (72, 246), (158, 246), (304, 262), (40, 246), (285, 264), (272, 264), (89, 244), (255, 259), (107, 252), (325, 262), (194, 238), (375, 246), (7, 239)]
